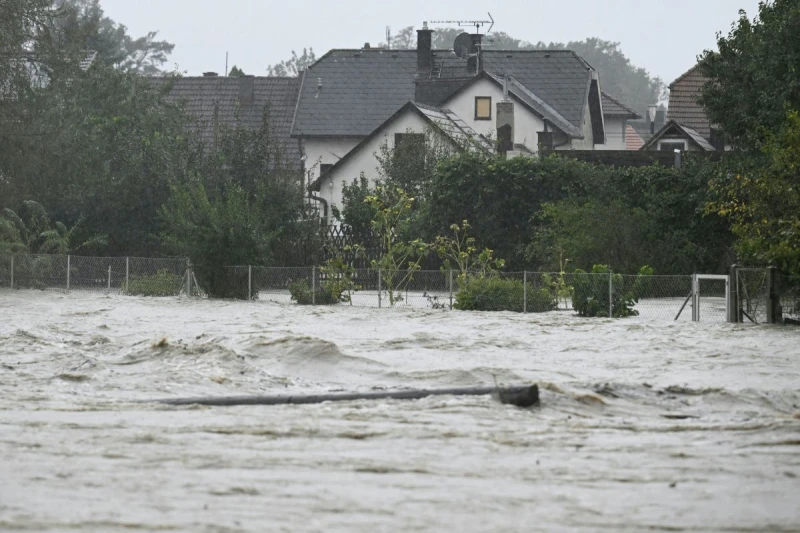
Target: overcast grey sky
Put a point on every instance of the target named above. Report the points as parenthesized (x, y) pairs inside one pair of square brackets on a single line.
[(663, 36)]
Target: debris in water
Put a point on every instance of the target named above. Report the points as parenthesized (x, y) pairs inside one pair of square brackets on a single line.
[(163, 343)]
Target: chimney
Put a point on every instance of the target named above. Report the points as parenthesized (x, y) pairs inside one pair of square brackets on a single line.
[(475, 59), (209, 74), (246, 90), (651, 117), (424, 51), (505, 126)]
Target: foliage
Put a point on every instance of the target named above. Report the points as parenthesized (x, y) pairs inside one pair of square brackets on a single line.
[(460, 252), (410, 164), (356, 212), (162, 283), (339, 279), (591, 292), (754, 78), (84, 21), (236, 72), (499, 197), (400, 258), (494, 293), (34, 233), (294, 65), (629, 216), (219, 229), (302, 294), (761, 198)]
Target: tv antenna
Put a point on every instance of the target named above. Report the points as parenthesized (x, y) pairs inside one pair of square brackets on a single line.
[(478, 24)]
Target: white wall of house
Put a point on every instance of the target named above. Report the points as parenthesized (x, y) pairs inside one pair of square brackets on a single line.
[(325, 150), (526, 124), (587, 143), (364, 160), (615, 134)]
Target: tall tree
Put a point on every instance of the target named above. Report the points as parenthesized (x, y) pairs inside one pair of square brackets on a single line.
[(755, 75), (84, 23), (293, 65)]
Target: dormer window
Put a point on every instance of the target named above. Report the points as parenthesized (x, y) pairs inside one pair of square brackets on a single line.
[(483, 108)]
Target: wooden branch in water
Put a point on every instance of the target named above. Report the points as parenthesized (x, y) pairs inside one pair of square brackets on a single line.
[(521, 396)]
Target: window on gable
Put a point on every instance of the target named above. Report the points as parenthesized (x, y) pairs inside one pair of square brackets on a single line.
[(483, 108)]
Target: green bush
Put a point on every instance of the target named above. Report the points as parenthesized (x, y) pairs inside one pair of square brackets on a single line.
[(590, 292), (162, 283), (325, 295), (493, 293)]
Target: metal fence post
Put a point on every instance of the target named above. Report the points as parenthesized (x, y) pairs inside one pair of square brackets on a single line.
[(695, 298), (314, 285), (127, 272), (525, 291), (12, 271), (451, 288), (733, 295), (249, 282), (108, 288), (68, 266), (773, 300), (379, 288), (188, 278), (610, 293)]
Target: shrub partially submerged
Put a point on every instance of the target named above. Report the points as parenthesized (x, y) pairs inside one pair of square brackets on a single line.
[(493, 293), (162, 283)]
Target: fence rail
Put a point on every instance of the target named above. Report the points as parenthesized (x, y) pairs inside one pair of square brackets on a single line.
[(650, 297)]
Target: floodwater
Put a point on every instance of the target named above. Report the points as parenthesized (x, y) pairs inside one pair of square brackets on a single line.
[(644, 425)]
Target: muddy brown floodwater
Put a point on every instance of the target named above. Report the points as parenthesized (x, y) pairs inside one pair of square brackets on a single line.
[(644, 425)]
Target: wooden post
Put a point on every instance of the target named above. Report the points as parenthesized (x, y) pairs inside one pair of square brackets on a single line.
[(379, 288), (108, 287), (12, 271), (610, 293), (695, 298), (249, 282), (127, 272), (313, 285), (68, 267)]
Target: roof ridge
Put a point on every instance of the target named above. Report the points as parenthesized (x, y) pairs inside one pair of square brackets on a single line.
[(679, 78)]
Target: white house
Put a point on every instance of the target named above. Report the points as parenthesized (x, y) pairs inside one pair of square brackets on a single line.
[(616, 115), (517, 101)]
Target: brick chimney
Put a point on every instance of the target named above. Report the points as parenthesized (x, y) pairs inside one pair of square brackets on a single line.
[(505, 121), (246, 94), (424, 50)]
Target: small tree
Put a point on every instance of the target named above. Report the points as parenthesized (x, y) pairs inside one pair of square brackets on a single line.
[(459, 251), (400, 258)]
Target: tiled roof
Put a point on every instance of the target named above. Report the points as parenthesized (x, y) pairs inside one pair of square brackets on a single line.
[(632, 139), (672, 127), (614, 108), (683, 104), (203, 96), (352, 92)]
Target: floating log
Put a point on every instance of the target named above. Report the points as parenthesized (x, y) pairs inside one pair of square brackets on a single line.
[(521, 396)]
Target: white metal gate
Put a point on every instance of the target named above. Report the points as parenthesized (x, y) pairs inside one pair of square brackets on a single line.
[(709, 300)]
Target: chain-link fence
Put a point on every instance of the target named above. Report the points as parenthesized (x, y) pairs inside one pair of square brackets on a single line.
[(650, 297), (125, 275)]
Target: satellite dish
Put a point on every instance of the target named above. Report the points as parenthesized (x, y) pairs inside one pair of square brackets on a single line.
[(463, 45)]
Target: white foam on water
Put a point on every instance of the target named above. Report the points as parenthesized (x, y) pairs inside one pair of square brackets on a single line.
[(644, 424)]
